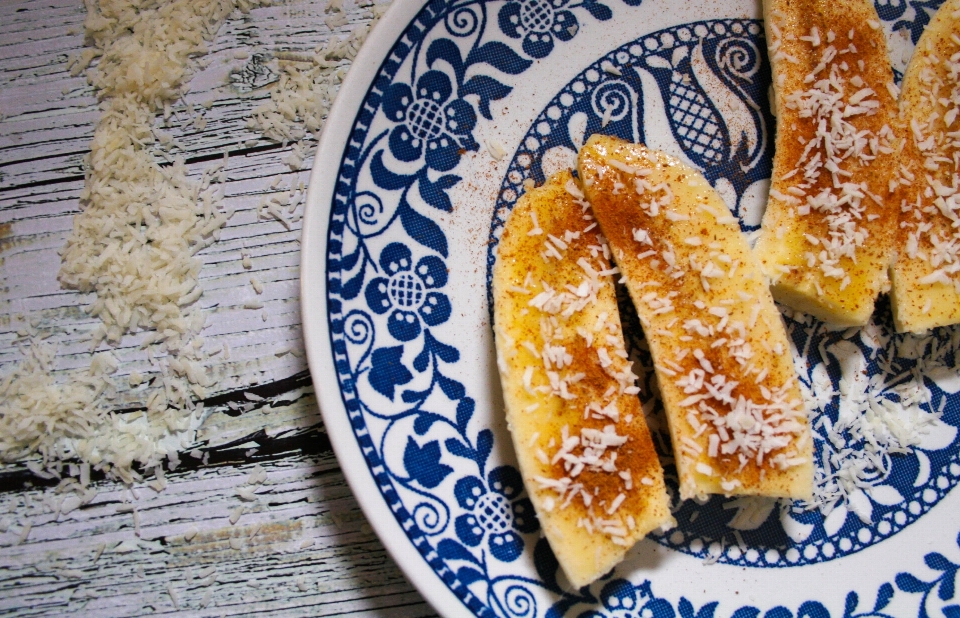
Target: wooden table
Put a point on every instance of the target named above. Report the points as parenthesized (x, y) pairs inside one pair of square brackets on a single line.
[(302, 547)]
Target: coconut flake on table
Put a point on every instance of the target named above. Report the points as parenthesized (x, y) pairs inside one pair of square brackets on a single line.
[(138, 216)]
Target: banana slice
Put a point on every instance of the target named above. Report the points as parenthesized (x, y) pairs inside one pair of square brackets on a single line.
[(926, 275), (720, 351), (827, 234), (581, 439)]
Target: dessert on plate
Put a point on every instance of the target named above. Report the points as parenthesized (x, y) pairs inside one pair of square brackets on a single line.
[(926, 274), (721, 354), (580, 435), (827, 234)]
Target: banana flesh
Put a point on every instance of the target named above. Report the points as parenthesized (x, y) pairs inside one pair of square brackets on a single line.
[(720, 350), (926, 275), (828, 230), (584, 449)]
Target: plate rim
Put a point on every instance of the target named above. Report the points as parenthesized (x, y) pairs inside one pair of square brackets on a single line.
[(325, 173), (313, 302)]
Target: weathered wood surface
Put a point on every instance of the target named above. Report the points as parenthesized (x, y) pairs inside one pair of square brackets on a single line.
[(302, 547)]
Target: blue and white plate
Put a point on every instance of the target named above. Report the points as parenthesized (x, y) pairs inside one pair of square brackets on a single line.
[(450, 110)]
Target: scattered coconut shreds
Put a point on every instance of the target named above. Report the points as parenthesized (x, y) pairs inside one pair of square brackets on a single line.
[(137, 217), (24, 532), (300, 100), (109, 240), (257, 476), (136, 522), (235, 515), (174, 597), (246, 494), (495, 149), (295, 159), (39, 416), (878, 416)]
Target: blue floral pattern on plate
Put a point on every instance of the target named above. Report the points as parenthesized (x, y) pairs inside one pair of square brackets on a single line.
[(387, 268), (679, 62), (496, 510)]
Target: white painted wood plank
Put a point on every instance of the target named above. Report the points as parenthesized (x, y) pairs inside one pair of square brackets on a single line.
[(51, 116), (310, 531), (38, 224), (329, 549), (304, 541)]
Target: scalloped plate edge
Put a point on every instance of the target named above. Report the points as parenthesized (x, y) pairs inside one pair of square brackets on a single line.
[(313, 294)]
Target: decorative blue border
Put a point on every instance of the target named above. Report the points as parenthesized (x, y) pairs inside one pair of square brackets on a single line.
[(410, 416), (619, 598)]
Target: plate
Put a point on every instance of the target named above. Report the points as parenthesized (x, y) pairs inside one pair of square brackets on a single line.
[(451, 109)]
